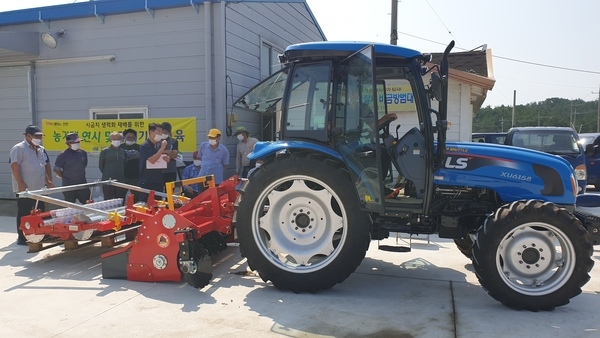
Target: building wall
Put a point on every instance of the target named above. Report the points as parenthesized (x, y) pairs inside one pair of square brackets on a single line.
[(460, 111), (248, 26), (159, 62), (16, 109)]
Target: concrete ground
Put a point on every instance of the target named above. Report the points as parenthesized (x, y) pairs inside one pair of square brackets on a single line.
[(429, 292)]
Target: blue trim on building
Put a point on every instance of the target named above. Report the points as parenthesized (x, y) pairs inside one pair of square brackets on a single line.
[(104, 7)]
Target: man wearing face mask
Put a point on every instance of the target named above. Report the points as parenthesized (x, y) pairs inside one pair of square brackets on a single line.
[(151, 176), (70, 167), (30, 167), (170, 174), (132, 160), (214, 156), (112, 166), (192, 171), (244, 147)]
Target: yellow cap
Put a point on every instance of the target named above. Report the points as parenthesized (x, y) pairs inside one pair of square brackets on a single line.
[(214, 132)]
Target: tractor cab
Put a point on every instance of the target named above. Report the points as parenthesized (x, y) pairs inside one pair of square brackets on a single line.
[(365, 105)]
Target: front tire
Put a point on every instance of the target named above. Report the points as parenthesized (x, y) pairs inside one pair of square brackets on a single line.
[(532, 255), (299, 223)]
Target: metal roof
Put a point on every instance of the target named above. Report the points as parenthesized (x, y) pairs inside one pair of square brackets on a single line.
[(101, 8)]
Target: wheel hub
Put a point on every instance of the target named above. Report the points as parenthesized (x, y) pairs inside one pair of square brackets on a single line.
[(302, 221), (530, 256)]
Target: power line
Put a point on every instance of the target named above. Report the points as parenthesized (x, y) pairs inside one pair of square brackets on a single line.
[(436, 14), (510, 59), (545, 65)]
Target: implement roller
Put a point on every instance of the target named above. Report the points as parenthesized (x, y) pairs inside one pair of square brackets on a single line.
[(168, 239)]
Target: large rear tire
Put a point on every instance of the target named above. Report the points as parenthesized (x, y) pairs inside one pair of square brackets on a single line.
[(299, 223), (532, 255)]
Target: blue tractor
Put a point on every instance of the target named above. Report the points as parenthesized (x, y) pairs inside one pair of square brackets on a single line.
[(305, 218)]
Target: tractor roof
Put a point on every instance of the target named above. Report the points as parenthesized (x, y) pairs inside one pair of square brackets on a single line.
[(343, 49)]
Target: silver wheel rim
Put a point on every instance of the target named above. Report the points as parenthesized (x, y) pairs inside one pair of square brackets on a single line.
[(34, 238), (298, 223), (83, 235), (536, 259)]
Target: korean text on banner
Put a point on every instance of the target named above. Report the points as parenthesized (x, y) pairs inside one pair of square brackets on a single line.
[(95, 134)]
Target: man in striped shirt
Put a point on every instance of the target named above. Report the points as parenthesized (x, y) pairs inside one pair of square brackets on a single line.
[(30, 167)]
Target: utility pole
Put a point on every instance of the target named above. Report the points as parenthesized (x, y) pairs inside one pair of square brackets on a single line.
[(394, 35), (571, 116), (513, 110), (598, 125)]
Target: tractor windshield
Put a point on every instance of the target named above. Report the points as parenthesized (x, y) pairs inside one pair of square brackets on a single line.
[(266, 97)]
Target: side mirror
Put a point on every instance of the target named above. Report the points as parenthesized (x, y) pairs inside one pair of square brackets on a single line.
[(590, 149), (435, 87)]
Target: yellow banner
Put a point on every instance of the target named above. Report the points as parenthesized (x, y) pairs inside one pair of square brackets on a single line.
[(395, 94), (398, 96), (95, 134)]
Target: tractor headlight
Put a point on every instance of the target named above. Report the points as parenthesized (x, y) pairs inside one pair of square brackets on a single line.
[(580, 172)]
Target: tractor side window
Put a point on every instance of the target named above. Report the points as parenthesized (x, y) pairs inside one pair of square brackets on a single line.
[(308, 102)]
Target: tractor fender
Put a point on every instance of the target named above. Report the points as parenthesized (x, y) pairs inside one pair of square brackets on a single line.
[(267, 149)]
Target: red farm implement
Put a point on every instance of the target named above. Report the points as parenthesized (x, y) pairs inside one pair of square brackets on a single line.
[(167, 239)]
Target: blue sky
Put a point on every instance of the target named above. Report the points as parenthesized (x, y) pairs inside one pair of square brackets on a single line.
[(553, 33)]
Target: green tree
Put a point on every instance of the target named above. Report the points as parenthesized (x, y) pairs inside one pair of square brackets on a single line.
[(557, 112)]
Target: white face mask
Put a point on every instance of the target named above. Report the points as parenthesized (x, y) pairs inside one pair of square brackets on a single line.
[(36, 141), (257, 165), (164, 136), (115, 143), (197, 162), (75, 146), (157, 137), (129, 143), (212, 142), (240, 137)]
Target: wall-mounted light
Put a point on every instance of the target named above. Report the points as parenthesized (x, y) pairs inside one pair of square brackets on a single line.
[(51, 39)]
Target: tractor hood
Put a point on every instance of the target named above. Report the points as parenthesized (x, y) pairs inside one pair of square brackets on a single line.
[(514, 173)]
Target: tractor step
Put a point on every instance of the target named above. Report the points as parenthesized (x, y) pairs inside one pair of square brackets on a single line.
[(393, 248)]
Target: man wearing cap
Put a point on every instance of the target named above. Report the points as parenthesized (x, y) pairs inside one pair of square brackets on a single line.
[(244, 147), (214, 156), (172, 149), (30, 167), (192, 171), (70, 167)]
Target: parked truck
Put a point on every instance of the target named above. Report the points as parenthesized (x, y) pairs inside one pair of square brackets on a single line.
[(306, 217)]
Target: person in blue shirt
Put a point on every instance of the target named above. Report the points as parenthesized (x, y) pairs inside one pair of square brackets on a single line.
[(191, 171), (214, 156)]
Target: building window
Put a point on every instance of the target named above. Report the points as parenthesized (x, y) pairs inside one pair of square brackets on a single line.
[(118, 113), (269, 60)]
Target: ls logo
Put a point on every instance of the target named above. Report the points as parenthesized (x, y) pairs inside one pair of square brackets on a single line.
[(458, 163)]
